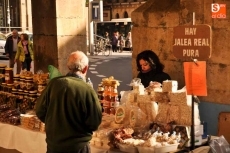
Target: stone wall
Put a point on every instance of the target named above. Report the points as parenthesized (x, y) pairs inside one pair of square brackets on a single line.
[(59, 28), (153, 24)]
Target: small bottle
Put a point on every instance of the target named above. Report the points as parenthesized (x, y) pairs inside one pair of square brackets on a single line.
[(90, 82)]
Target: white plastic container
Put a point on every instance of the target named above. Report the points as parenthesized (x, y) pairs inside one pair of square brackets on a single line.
[(128, 148), (165, 149), (142, 149)]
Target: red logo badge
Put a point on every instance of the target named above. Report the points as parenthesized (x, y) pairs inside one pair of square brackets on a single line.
[(218, 10)]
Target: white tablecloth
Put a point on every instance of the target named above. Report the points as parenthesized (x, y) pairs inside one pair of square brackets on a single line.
[(28, 141), (23, 140)]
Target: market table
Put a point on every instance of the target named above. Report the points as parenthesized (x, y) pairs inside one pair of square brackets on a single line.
[(17, 139)]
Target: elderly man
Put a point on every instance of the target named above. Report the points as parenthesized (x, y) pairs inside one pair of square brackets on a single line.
[(11, 49), (70, 109)]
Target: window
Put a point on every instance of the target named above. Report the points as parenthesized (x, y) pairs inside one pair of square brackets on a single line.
[(117, 16), (126, 15)]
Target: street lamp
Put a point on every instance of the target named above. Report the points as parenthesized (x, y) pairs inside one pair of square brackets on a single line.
[(8, 14)]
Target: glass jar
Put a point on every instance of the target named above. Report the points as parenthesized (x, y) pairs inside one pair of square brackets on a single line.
[(9, 75), (22, 84), (16, 83), (3, 87), (9, 87), (100, 91), (29, 83), (2, 73), (32, 97), (41, 87)]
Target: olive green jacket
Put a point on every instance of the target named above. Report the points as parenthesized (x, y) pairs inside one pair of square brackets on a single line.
[(71, 111), (21, 54)]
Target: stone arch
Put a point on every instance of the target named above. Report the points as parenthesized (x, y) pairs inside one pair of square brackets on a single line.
[(117, 16), (126, 15)]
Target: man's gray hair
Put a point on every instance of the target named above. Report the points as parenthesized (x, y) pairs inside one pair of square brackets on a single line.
[(77, 61)]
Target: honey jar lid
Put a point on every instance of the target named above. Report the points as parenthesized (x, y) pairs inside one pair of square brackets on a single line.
[(22, 76), (16, 75), (29, 78), (33, 92), (8, 68), (2, 65), (3, 83)]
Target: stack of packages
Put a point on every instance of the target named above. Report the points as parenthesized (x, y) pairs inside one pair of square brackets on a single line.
[(162, 104), (137, 109), (8, 115), (177, 110), (31, 122)]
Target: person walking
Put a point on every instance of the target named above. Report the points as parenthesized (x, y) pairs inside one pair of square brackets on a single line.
[(70, 109), (11, 49), (114, 42), (25, 52)]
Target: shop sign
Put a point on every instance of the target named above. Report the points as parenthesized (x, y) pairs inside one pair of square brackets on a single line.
[(192, 42), (97, 11)]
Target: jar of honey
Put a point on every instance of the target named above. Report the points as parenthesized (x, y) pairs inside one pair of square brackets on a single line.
[(29, 83), (9, 75), (2, 73)]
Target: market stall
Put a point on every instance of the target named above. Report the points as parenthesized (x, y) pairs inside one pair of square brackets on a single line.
[(153, 119)]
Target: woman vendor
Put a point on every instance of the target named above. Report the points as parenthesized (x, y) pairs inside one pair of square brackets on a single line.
[(150, 68)]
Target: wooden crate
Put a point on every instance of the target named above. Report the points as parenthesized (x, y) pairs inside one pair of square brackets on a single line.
[(224, 125)]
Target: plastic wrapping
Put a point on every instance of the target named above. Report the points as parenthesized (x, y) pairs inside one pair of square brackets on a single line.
[(173, 114), (106, 121), (137, 118), (122, 115), (219, 145), (138, 88), (150, 109), (162, 112)]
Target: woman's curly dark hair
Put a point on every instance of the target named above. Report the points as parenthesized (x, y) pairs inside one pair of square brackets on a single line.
[(151, 58)]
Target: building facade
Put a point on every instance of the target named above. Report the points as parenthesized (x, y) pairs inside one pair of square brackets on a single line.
[(15, 14), (115, 9), (113, 12)]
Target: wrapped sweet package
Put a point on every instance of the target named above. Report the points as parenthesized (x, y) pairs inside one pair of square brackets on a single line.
[(178, 98), (137, 118), (173, 114), (185, 115), (122, 115), (161, 97), (150, 109), (162, 112), (170, 86)]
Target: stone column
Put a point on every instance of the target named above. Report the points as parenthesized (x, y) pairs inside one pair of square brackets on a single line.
[(59, 28)]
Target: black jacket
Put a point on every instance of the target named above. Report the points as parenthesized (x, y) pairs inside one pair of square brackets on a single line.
[(152, 76), (9, 45)]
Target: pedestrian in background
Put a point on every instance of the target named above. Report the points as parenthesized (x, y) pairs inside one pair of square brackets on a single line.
[(11, 49), (150, 68), (114, 42), (25, 52), (121, 42), (128, 41), (70, 109), (107, 41)]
